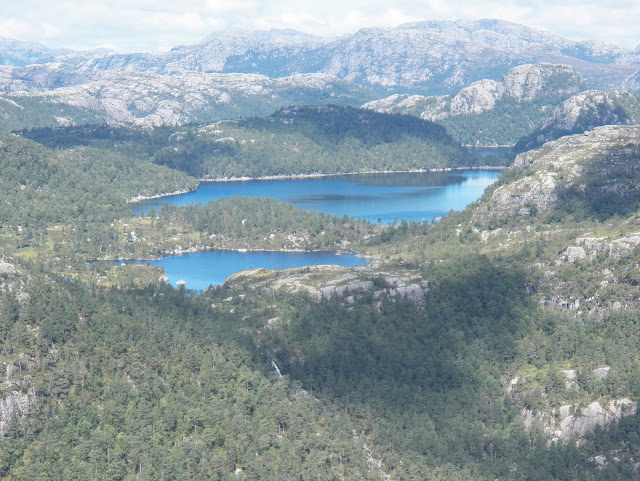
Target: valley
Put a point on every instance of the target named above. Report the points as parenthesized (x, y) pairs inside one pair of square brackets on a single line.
[(445, 315)]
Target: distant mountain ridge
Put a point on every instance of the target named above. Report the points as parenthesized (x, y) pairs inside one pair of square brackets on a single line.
[(522, 83), (493, 112), (431, 57), (150, 99)]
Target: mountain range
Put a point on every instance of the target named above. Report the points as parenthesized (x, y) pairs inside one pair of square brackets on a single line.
[(431, 57), (498, 342)]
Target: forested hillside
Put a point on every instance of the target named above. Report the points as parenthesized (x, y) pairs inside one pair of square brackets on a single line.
[(152, 384), (500, 342), (296, 140), (41, 186)]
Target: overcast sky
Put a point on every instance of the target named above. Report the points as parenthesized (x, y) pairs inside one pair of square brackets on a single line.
[(157, 25)]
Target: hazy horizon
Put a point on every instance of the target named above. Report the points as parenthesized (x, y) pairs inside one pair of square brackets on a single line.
[(158, 25)]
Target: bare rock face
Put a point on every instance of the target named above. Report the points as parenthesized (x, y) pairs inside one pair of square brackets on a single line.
[(571, 422), (7, 268), (522, 83), (582, 112), (13, 405), (152, 99), (575, 253), (632, 83), (527, 82), (325, 293), (425, 57), (577, 423), (414, 293), (593, 108), (555, 164), (477, 98), (326, 282), (431, 57)]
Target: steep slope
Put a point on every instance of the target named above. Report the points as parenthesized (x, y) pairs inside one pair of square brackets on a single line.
[(580, 192), (632, 83), (476, 113), (151, 384), (583, 112), (560, 165), (43, 186)]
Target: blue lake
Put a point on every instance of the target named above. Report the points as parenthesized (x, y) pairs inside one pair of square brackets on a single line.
[(410, 196), (385, 197), (200, 269)]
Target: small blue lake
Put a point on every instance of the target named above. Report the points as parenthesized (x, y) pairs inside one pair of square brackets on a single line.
[(200, 269), (375, 197), (384, 197)]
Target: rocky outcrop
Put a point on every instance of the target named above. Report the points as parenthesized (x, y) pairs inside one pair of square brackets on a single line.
[(326, 282), (432, 57), (576, 423), (522, 83), (571, 422), (150, 99), (474, 99), (594, 108), (17, 396), (12, 279), (12, 406), (7, 268), (558, 163), (632, 83), (589, 247), (582, 112), (526, 82), (336, 289)]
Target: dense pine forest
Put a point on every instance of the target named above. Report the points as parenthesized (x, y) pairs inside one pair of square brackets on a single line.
[(476, 347)]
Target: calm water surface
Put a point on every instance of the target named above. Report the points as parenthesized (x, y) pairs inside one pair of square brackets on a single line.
[(410, 196), (200, 269), (384, 197)]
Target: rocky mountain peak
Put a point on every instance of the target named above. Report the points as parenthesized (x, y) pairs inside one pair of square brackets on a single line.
[(522, 83), (530, 81), (588, 103), (556, 165), (582, 112), (433, 57)]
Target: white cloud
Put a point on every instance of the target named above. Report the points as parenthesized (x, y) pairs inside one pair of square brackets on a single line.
[(225, 7), (151, 25), (23, 30)]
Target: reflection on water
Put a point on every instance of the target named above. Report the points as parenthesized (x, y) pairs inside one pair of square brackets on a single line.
[(406, 179), (295, 199), (201, 269), (410, 196)]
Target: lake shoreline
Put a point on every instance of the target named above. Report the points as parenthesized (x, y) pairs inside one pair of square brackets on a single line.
[(141, 198), (194, 250), (213, 267)]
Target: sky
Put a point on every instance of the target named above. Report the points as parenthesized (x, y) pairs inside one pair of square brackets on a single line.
[(158, 25)]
